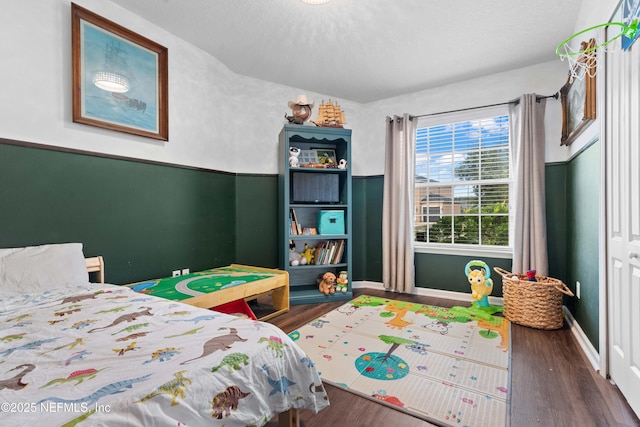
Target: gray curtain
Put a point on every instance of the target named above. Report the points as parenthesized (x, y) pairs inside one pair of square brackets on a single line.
[(398, 204), (530, 230)]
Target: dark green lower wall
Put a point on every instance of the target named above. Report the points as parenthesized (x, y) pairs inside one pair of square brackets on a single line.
[(367, 228), (257, 220), (573, 223), (583, 224), (359, 233), (149, 219), (447, 272), (145, 219)]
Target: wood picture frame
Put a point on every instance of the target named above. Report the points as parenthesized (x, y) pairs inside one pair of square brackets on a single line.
[(326, 156), (317, 157), (578, 98), (120, 78)]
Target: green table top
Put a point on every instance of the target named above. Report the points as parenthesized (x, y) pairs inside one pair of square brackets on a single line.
[(202, 282)]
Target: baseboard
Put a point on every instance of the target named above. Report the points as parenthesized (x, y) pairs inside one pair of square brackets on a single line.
[(587, 348)]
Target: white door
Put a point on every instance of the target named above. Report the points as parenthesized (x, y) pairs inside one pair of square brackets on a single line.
[(623, 220)]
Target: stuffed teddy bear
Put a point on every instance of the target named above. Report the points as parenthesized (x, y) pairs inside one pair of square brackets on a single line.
[(327, 283)]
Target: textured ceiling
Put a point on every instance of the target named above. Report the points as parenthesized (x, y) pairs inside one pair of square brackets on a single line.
[(366, 50)]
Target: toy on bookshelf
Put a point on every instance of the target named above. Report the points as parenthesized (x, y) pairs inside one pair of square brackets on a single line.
[(327, 282), (294, 152), (294, 257), (300, 109), (342, 281), (308, 254), (330, 115)]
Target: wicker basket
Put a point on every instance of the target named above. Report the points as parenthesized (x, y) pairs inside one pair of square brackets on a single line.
[(534, 304)]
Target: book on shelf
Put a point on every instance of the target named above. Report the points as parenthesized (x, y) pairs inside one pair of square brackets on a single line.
[(316, 255), (332, 249), (340, 250), (294, 225), (329, 252), (298, 227)]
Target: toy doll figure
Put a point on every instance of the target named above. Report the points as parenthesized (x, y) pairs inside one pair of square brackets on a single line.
[(480, 281), (342, 281)]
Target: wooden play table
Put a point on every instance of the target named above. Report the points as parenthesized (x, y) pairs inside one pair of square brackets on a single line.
[(217, 286)]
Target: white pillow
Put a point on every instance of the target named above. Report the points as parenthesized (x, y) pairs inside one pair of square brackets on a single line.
[(39, 268)]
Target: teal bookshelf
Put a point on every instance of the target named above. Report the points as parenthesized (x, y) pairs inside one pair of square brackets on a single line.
[(307, 189)]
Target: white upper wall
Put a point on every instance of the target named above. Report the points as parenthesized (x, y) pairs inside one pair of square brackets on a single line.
[(542, 79), (593, 12), (217, 119)]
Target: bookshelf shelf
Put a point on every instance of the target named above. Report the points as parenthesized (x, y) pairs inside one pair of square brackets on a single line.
[(321, 267), (318, 237), (305, 195)]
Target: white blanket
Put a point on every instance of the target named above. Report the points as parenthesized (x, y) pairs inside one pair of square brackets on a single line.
[(104, 355)]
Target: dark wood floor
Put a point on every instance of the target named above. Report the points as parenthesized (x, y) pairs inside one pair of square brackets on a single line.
[(552, 382)]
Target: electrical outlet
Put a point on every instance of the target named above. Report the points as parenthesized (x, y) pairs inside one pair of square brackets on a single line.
[(175, 273), (578, 289), (185, 271)]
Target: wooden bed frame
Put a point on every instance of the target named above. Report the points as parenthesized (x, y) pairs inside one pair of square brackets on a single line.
[(96, 265), (289, 418)]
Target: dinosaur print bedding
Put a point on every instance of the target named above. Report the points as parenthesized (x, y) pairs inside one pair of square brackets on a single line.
[(99, 354)]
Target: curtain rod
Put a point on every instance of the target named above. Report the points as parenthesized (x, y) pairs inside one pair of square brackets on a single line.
[(515, 101)]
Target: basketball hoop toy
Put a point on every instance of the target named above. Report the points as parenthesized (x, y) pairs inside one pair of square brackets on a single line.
[(582, 61)]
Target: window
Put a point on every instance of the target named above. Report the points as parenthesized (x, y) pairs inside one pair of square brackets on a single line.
[(462, 182), (432, 213)]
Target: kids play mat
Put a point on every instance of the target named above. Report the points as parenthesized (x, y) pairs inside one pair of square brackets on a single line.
[(446, 366)]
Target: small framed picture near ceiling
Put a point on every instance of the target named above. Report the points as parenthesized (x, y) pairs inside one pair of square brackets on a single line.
[(120, 78), (578, 97)]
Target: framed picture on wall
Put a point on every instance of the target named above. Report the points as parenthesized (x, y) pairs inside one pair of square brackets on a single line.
[(578, 98), (119, 77)]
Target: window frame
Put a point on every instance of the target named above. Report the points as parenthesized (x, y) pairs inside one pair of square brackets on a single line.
[(429, 214), (464, 249)]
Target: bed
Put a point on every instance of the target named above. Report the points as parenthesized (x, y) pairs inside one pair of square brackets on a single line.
[(74, 352)]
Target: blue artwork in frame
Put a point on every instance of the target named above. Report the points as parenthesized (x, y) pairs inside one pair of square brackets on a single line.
[(119, 77), (630, 11)]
